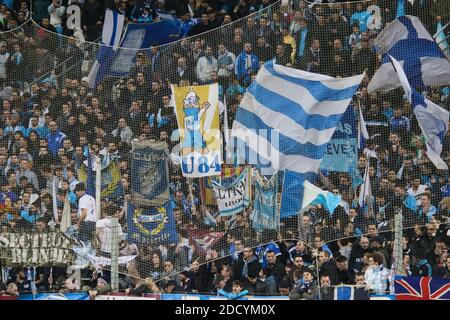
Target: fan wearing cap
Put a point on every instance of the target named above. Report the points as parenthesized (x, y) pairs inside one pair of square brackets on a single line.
[(87, 215)]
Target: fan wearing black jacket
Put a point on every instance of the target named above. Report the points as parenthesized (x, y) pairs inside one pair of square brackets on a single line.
[(245, 261)]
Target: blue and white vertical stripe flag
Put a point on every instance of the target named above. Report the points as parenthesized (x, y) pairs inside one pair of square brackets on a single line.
[(288, 116), (432, 119), (112, 33), (303, 109), (407, 40)]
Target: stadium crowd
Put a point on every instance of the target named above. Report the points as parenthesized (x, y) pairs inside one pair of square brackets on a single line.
[(51, 120)]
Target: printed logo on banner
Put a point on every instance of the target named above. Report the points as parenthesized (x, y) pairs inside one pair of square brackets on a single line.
[(151, 225), (342, 150), (197, 113), (150, 167), (234, 198)]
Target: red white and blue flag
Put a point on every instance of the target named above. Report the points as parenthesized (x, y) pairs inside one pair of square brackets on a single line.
[(422, 288)]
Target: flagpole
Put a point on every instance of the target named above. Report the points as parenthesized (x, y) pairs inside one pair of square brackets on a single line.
[(54, 203)]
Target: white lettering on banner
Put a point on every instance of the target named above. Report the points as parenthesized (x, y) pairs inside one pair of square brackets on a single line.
[(341, 148), (36, 248)]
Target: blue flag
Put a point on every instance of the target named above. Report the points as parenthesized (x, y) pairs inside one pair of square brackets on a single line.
[(151, 225), (112, 33), (142, 36), (265, 206)]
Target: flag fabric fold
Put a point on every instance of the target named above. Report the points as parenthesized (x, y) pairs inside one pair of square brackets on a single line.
[(285, 122), (432, 119)]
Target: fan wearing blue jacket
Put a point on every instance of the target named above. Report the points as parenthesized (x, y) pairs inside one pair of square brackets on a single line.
[(247, 64), (360, 17)]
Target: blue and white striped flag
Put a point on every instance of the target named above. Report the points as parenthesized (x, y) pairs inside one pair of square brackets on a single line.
[(112, 33), (407, 40), (432, 119), (285, 121)]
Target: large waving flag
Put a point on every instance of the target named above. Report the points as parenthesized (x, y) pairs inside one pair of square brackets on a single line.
[(432, 119), (288, 116), (407, 40), (112, 32), (285, 121)]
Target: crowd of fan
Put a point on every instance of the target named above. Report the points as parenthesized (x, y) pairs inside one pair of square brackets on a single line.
[(49, 126)]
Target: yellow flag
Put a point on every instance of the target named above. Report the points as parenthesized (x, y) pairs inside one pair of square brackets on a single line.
[(197, 112)]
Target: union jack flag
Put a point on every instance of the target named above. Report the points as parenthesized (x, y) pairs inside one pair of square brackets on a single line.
[(422, 288)]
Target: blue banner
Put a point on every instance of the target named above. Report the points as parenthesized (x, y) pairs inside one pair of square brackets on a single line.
[(54, 296), (143, 36), (265, 207), (342, 150), (150, 167), (151, 225)]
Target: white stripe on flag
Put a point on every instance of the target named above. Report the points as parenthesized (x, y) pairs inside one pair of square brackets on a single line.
[(330, 82), (261, 146)]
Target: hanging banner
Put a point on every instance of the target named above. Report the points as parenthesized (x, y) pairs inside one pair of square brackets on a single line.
[(50, 248), (150, 170), (342, 150), (204, 240), (235, 197), (110, 182), (265, 206), (197, 112), (226, 178), (151, 225)]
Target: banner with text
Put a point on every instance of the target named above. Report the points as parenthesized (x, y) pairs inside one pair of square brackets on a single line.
[(342, 149), (151, 225), (36, 249), (197, 112)]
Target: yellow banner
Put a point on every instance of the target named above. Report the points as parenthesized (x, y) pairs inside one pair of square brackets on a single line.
[(197, 112)]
